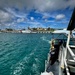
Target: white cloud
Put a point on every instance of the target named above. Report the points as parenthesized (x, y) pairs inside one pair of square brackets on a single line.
[(5, 19), (41, 5), (60, 16), (35, 24), (45, 15), (20, 20), (50, 21), (5, 16), (20, 14), (50, 5), (32, 18), (24, 6)]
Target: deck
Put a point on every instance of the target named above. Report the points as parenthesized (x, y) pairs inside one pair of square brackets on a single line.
[(53, 68)]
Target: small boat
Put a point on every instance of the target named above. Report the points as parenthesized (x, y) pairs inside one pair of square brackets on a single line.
[(61, 57)]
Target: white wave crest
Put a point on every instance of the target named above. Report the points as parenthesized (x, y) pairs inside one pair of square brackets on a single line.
[(18, 69), (35, 69), (44, 38)]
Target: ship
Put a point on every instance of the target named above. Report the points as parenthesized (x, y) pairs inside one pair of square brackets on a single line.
[(61, 57), (25, 31)]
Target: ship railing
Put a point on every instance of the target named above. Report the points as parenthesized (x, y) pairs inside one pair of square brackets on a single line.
[(68, 47), (68, 53), (71, 52), (64, 53), (62, 60), (70, 56)]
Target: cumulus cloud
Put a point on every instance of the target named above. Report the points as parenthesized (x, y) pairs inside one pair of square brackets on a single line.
[(32, 18), (60, 16), (20, 20), (5, 16), (20, 8)]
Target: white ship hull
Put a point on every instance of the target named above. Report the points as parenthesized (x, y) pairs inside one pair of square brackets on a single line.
[(26, 31)]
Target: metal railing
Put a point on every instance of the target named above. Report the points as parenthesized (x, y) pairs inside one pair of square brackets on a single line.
[(68, 52), (63, 56)]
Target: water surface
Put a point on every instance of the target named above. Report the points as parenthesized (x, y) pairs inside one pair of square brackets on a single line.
[(23, 54)]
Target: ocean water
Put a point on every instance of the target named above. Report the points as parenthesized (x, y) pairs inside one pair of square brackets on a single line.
[(23, 54)]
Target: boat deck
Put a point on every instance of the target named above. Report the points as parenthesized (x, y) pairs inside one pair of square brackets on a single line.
[(53, 68)]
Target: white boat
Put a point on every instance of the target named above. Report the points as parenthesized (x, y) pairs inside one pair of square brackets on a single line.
[(25, 31), (61, 57), (61, 31)]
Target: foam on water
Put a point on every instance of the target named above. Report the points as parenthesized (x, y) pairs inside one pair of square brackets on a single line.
[(35, 69), (19, 67), (23, 55), (45, 39), (46, 73)]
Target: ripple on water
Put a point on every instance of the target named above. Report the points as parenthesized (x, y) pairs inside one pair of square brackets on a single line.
[(23, 54), (20, 66)]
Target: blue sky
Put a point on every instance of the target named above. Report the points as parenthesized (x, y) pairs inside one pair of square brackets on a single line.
[(19, 14)]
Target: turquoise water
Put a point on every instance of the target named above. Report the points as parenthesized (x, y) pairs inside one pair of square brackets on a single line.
[(23, 54)]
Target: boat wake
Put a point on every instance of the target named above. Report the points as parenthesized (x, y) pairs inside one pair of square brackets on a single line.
[(22, 66), (28, 63), (22, 54), (45, 39), (35, 69), (19, 67)]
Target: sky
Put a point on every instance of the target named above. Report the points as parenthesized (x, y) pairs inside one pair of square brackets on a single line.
[(20, 14)]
